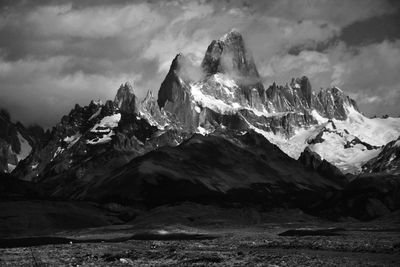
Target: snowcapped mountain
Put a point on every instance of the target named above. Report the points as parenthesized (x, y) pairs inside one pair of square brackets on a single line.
[(230, 94), (387, 161), (215, 133)]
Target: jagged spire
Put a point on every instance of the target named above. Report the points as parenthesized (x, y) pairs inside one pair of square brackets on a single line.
[(170, 86), (229, 55), (233, 33), (149, 94), (125, 98)]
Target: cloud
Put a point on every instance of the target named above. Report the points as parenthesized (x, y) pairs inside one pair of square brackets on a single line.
[(371, 73), (315, 65), (45, 92), (56, 53), (97, 22), (336, 12)]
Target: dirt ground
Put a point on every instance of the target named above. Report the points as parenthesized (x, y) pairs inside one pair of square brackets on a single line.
[(262, 240)]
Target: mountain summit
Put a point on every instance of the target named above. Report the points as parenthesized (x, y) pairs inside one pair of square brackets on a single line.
[(125, 99), (229, 55)]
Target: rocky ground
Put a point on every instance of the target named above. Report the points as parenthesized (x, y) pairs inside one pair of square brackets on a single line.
[(216, 237), (255, 246)]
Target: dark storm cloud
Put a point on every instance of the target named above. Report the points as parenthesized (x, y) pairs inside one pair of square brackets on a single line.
[(373, 30), (56, 53)]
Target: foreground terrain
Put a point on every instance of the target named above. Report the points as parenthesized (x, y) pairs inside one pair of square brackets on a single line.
[(197, 235)]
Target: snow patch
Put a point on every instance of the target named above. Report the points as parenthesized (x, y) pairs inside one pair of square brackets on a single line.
[(71, 140), (202, 131), (11, 167), (226, 105), (101, 140), (58, 152), (397, 144), (25, 148), (377, 131), (318, 117), (209, 101), (225, 81), (392, 157), (332, 148), (350, 159), (107, 122), (104, 128), (98, 102)]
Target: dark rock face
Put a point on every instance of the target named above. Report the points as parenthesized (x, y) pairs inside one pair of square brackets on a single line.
[(9, 142), (306, 90), (388, 161), (149, 110), (294, 97), (12, 188), (284, 123), (237, 61), (175, 98), (334, 103), (211, 168), (313, 161), (17, 141), (371, 195), (330, 103), (229, 55), (171, 88)]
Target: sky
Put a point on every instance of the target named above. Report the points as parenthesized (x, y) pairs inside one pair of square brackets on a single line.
[(54, 54)]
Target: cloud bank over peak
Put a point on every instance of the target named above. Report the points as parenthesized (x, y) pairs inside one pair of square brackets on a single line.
[(57, 53)]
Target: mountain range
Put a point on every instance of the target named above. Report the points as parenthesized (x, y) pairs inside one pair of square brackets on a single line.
[(215, 133)]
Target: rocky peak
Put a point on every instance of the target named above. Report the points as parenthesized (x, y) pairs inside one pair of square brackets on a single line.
[(150, 111), (9, 131), (125, 99), (148, 96), (335, 103), (17, 141), (298, 96), (171, 87), (312, 160), (388, 160), (149, 103), (305, 88), (229, 55)]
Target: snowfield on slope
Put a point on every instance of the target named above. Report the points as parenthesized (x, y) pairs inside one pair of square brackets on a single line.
[(25, 148), (221, 96), (376, 132), (104, 128)]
